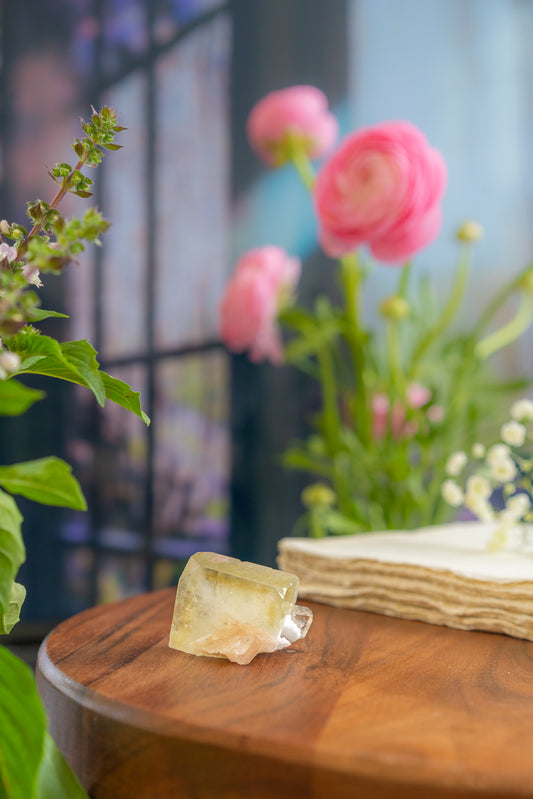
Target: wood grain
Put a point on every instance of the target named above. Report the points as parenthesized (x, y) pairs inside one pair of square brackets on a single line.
[(366, 706)]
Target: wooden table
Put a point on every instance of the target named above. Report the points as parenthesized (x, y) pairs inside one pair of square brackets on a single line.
[(366, 706)]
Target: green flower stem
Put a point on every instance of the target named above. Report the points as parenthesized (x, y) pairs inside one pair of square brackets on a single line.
[(332, 426), (509, 332), (393, 353), (448, 312), (403, 283), (332, 422), (351, 276), (398, 383), (303, 166), (494, 306)]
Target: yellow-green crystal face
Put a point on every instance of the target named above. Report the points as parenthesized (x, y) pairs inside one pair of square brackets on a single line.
[(229, 608)]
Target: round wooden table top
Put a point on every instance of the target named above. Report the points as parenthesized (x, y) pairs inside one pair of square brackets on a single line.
[(365, 706)]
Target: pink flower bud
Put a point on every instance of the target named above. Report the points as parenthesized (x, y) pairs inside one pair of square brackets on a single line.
[(382, 187), (417, 396), (300, 114), (263, 281)]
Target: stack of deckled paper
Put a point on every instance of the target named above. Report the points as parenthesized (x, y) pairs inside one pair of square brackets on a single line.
[(442, 575)]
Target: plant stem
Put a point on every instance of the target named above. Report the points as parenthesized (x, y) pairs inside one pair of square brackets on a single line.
[(404, 280), (393, 353), (332, 420), (332, 427), (500, 298), (351, 276), (303, 166), (509, 332), (448, 312), (54, 202)]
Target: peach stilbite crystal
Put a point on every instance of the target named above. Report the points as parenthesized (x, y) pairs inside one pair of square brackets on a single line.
[(232, 609)]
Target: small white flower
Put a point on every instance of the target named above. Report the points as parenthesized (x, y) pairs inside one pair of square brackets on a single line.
[(503, 470), (481, 507), (513, 433), (452, 493), (9, 361), (456, 463), (31, 273), (498, 453), (478, 486), (478, 451), (517, 506), (522, 410)]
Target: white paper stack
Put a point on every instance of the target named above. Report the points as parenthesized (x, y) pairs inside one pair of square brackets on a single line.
[(442, 575)]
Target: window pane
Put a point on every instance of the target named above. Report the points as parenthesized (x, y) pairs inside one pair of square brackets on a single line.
[(121, 470), (172, 15), (192, 185), (78, 564), (124, 35), (192, 457), (120, 576), (124, 253)]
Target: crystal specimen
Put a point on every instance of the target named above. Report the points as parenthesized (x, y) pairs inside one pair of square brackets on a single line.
[(232, 609)]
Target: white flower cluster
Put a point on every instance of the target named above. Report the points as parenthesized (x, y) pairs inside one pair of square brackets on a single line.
[(504, 470)]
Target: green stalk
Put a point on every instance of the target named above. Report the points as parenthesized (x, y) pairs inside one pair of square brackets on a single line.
[(351, 276), (304, 168), (393, 353), (448, 312), (332, 427), (332, 422), (509, 332), (403, 283), (503, 295)]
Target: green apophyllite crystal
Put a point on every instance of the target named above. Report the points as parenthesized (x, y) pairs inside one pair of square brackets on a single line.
[(229, 608)]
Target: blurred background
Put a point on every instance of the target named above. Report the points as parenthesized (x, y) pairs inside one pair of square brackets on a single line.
[(185, 197)]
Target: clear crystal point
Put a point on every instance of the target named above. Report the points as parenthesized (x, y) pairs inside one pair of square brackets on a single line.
[(233, 609)]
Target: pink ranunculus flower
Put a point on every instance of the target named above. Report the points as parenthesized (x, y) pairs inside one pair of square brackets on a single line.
[(383, 188), (300, 112), (417, 396), (262, 283)]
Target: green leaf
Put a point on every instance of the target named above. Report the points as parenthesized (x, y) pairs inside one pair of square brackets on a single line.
[(12, 552), (22, 728), (82, 356), (55, 779), (38, 314), (16, 398), (338, 524), (124, 395), (16, 600), (303, 346), (298, 318), (45, 480), (74, 361), (296, 458)]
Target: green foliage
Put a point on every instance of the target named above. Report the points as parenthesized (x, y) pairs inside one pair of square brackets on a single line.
[(387, 471), (74, 361), (122, 394), (31, 766), (16, 398), (55, 778), (45, 480), (22, 726), (12, 616), (12, 551)]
